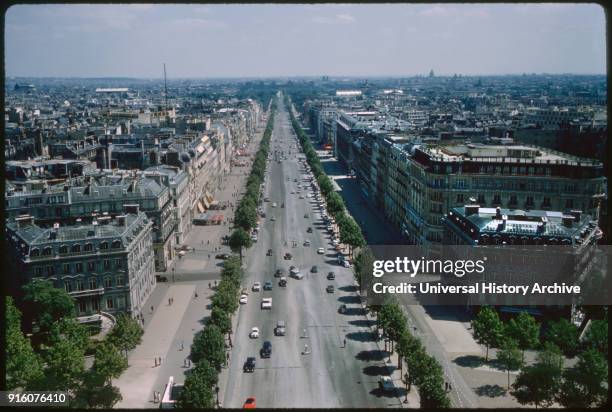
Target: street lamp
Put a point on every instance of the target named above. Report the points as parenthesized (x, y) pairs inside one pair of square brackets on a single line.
[(217, 392), (406, 382)]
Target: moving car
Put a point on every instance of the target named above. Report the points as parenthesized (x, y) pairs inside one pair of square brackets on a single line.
[(254, 332), (307, 242), (320, 251), (269, 252), (282, 282), (296, 274), (266, 350), (279, 330), (161, 278), (250, 403), (249, 365), (243, 299), (266, 303), (268, 285), (330, 288), (306, 215), (331, 276), (309, 230), (287, 256), (279, 273), (386, 383), (272, 219), (314, 269), (256, 287), (273, 204)]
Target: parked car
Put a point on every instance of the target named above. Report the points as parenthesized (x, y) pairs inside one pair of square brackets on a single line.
[(223, 256), (320, 251), (256, 287), (386, 384), (250, 403), (342, 309), (266, 350), (330, 288), (314, 269), (243, 299), (279, 330), (161, 278), (309, 230), (282, 282), (254, 332), (307, 242), (268, 285), (331, 276), (249, 364)]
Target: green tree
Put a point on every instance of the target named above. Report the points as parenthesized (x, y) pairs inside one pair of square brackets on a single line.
[(363, 265), (126, 334), (550, 355), (564, 334), (525, 330), (209, 345), (226, 297), (350, 234), (109, 363), (432, 393), (488, 328), (335, 205), (221, 319), (48, 304), (65, 366), (596, 337), (245, 216), (72, 330), (238, 240), (95, 392), (537, 385), (23, 365), (510, 357), (585, 385), (325, 185), (197, 391)]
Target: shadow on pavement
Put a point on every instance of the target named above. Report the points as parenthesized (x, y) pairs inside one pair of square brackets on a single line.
[(376, 370), (492, 391), (361, 336), (366, 323), (373, 355), (470, 361), (452, 313), (354, 312), (348, 288), (378, 392), (349, 299)]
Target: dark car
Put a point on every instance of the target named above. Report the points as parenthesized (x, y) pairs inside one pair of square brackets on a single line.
[(314, 269), (269, 253), (267, 285), (161, 278), (331, 276), (249, 365), (342, 309), (309, 230), (266, 350), (222, 256), (330, 289), (288, 256), (279, 273)]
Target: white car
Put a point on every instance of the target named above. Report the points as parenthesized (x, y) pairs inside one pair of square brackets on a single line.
[(273, 204), (386, 384), (335, 242), (256, 287), (243, 299), (307, 242), (254, 333), (301, 197), (266, 303), (346, 264), (320, 251), (272, 218)]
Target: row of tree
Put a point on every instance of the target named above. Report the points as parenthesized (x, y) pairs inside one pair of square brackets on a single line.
[(350, 232), (547, 381), (245, 218), (423, 370), (52, 358), (208, 350)]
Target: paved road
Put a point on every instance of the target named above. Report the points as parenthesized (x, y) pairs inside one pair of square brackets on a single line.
[(331, 376)]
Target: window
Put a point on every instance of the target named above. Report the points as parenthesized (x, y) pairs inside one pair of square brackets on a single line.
[(104, 245), (513, 200), (95, 305), (38, 271), (106, 263), (92, 283), (35, 252), (119, 263), (546, 202), (80, 285), (109, 303), (91, 266), (120, 302), (496, 199), (79, 267), (481, 199), (88, 247), (460, 198), (569, 203), (63, 249), (76, 248), (82, 306), (50, 271), (108, 283), (68, 286), (119, 281), (529, 201), (116, 244), (47, 251), (66, 268)]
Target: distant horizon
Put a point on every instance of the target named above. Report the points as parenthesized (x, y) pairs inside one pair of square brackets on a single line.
[(303, 40)]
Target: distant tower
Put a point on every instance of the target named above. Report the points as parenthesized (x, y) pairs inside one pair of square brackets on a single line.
[(431, 73), (166, 96)]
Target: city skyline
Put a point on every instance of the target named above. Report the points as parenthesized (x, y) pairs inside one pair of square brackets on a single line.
[(268, 41)]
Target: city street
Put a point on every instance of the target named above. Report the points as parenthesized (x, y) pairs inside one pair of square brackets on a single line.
[(328, 375)]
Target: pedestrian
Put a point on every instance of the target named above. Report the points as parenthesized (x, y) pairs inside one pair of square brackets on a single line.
[(151, 308), (450, 387), (196, 295), (209, 255), (215, 283), (344, 342), (160, 360), (155, 361), (209, 285), (182, 345), (169, 302), (446, 386)]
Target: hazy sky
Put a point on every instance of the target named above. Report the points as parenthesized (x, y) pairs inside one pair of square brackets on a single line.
[(286, 40)]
